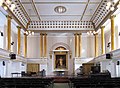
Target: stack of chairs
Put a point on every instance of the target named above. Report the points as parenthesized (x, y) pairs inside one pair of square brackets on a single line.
[(26, 82), (94, 83)]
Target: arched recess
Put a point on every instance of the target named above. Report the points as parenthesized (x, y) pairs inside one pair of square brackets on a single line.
[(62, 45)]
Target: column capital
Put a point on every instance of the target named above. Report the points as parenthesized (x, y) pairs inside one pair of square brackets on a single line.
[(8, 16), (27, 25), (18, 27), (44, 33), (102, 27), (112, 16), (75, 33), (95, 34), (25, 34), (79, 33)]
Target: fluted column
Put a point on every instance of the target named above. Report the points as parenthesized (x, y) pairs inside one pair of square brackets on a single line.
[(45, 45), (41, 45), (102, 40), (80, 44), (19, 39), (9, 33), (75, 45), (25, 45), (112, 33), (96, 44)]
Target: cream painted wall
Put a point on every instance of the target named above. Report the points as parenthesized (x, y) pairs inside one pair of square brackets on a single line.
[(33, 47), (33, 50)]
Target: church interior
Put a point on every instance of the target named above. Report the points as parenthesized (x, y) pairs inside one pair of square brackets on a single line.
[(59, 43)]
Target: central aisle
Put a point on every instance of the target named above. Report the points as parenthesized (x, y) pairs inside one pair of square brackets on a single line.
[(61, 85)]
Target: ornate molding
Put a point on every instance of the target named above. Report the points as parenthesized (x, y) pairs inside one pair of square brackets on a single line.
[(58, 25)]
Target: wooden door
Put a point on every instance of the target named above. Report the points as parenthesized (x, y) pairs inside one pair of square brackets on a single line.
[(87, 68), (33, 67)]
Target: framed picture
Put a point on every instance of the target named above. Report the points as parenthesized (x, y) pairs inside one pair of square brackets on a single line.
[(61, 61)]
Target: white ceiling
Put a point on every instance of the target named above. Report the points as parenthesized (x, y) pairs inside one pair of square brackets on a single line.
[(76, 9)]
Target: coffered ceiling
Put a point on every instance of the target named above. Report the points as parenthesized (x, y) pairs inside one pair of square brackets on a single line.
[(76, 10)]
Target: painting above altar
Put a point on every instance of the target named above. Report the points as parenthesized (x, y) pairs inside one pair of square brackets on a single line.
[(61, 62)]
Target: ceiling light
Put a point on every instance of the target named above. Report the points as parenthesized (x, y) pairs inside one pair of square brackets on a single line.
[(29, 33), (12, 6), (1, 2), (32, 33), (112, 8), (109, 3), (5, 7), (7, 4), (60, 9), (92, 32), (107, 7)]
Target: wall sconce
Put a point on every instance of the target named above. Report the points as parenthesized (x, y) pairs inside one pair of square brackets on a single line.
[(29, 33), (12, 43), (1, 33), (9, 4), (108, 44)]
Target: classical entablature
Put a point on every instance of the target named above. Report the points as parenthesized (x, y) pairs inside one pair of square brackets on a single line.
[(60, 25), (22, 14)]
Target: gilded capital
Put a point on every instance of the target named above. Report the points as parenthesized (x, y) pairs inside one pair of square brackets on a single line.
[(8, 16), (102, 27), (112, 16), (19, 27)]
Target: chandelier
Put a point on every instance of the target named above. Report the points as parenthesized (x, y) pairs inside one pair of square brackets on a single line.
[(29, 33), (7, 4), (60, 9), (111, 3)]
